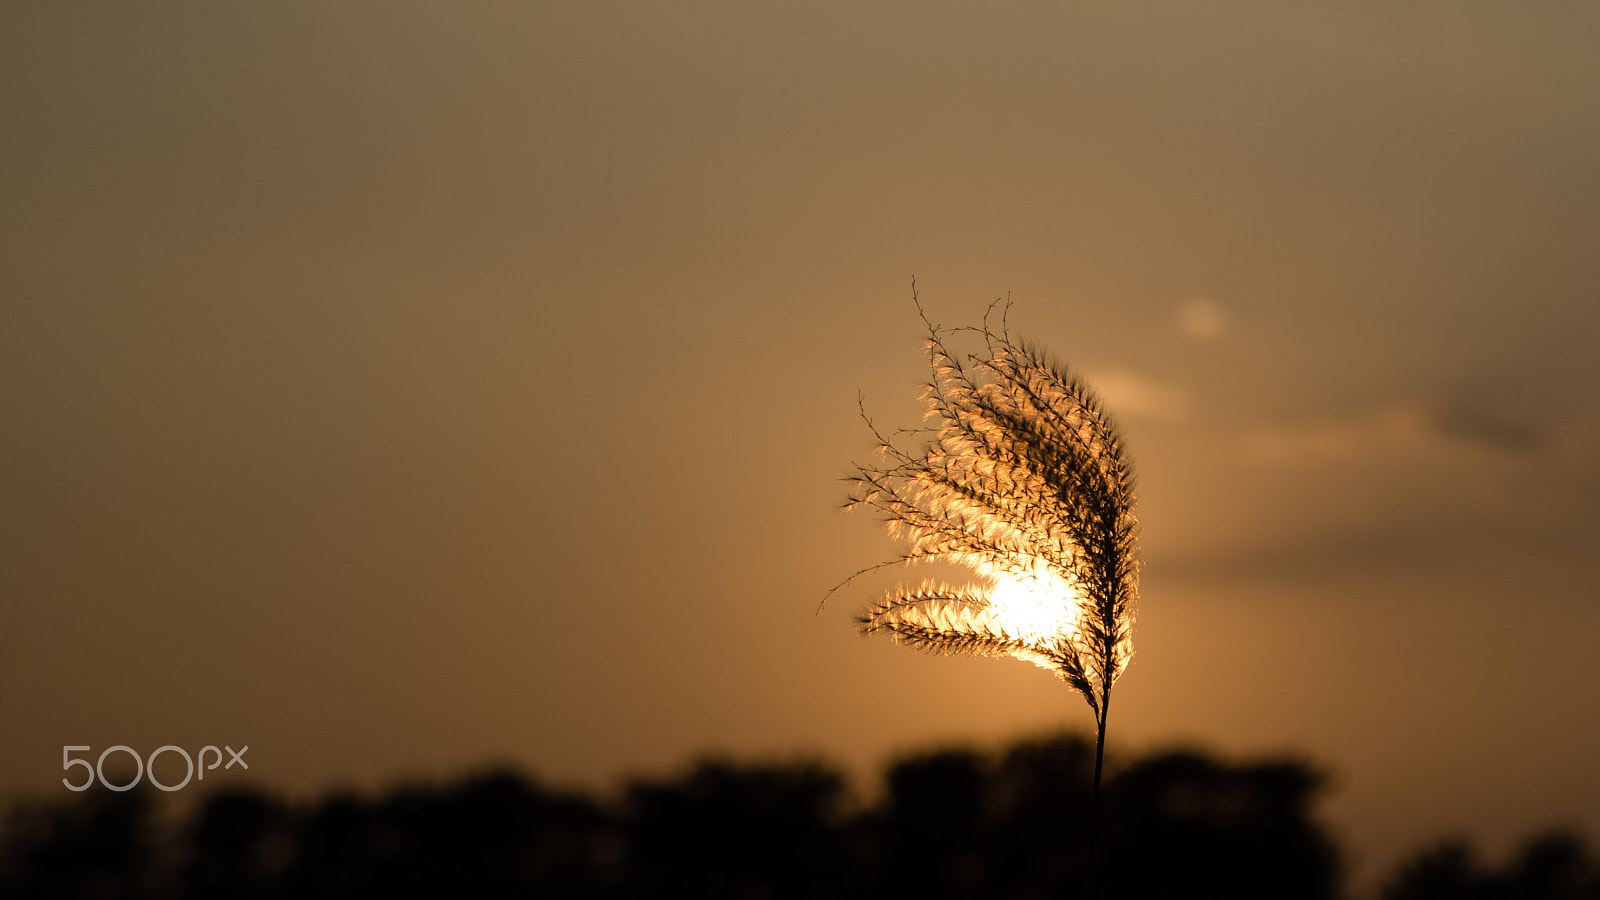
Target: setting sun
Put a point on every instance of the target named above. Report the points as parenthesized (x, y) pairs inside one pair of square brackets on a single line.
[(1037, 607)]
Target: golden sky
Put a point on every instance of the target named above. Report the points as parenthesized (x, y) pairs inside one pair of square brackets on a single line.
[(397, 387)]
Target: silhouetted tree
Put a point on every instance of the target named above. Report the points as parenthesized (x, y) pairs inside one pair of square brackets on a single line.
[(1447, 871), (341, 846), (729, 831), (497, 835), (937, 827), (99, 845), (1188, 826), (1552, 866), (1178, 825), (1037, 786), (950, 824), (238, 844), (494, 835)]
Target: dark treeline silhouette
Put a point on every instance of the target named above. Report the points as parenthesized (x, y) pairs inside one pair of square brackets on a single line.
[(1552, 866), (949, 824)]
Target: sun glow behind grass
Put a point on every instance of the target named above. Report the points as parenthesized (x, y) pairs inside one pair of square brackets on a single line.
[(1021, 479), (1039, 607)]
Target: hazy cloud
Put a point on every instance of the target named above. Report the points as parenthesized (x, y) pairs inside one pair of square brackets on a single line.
[(1487, 416), (1136, 396), (1201, 317), (1430, 427), (1318, 439)]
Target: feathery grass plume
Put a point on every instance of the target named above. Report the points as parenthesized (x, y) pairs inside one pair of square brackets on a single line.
[(1022, 477)]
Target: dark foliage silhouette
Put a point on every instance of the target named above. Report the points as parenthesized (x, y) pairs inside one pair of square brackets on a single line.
[(1192, 827), (494, 835), (1040, 850), (102, 845), (937, 826), (1552, 866), (738, 831), (951, 823), (1178, 825), (237, 842)]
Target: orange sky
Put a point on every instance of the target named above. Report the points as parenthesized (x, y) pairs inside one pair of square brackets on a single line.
[(392, 389)]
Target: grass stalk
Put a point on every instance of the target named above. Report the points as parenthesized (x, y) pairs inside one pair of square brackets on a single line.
[(1022, 478)]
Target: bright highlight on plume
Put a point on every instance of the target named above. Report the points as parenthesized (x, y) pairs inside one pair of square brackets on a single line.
[(1034, 607)]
